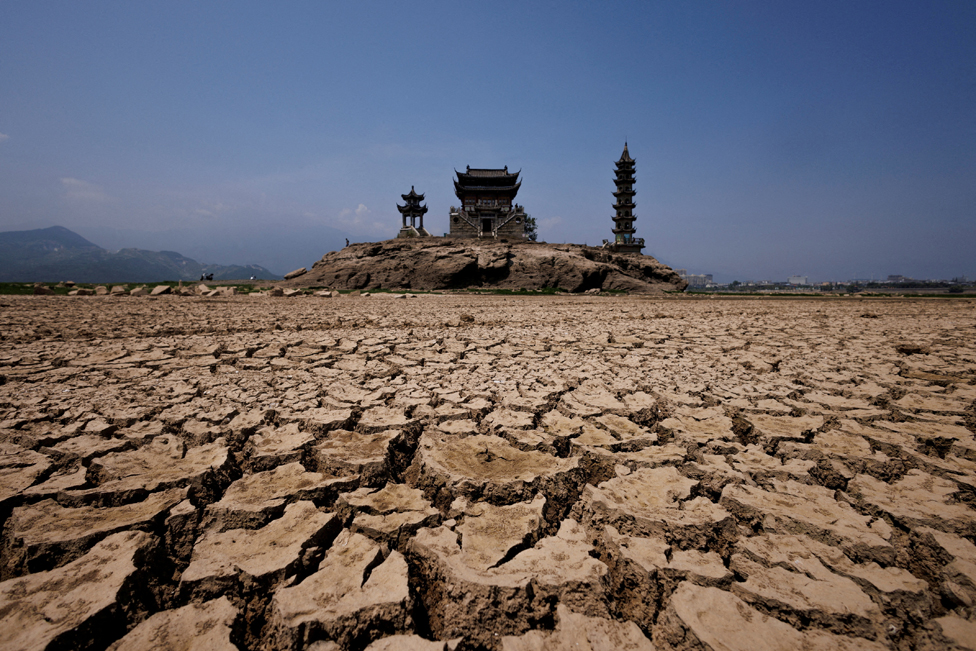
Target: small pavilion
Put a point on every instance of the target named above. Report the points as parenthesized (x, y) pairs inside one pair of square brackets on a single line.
[(413, 212)]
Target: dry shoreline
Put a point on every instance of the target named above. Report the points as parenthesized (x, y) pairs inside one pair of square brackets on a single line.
[(507, 471)]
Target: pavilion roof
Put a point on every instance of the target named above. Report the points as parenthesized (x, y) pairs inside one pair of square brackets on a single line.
[(412, 208), (412, 195)]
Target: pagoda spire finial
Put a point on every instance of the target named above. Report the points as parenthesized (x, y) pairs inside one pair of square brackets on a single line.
[(625, 155)]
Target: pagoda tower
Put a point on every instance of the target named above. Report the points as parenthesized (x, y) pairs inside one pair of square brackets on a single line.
[(623, 223), (414, 212)]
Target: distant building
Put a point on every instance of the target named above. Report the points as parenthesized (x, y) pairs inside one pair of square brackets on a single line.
[(623, 222), (897, 279), (798, 280), (412, 211), (487, 208), (695, 280)]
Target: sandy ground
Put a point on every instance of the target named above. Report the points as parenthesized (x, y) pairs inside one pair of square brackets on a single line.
[(487, 472)]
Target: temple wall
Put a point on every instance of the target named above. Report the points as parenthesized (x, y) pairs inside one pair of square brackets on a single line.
[(511, 229), (462, 228)]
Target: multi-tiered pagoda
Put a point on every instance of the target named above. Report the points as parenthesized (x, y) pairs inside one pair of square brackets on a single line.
[(413, 212), (487, 208), (623, 223)]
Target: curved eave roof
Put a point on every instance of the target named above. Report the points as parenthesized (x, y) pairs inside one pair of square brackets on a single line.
[(487, 178), (458, 187), (412, 209)]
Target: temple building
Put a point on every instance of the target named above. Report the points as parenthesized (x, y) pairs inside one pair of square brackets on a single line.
[(487, 204), (413, 212), (623, 223)]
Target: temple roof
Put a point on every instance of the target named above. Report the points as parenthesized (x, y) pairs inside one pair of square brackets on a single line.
[(487, 171), (625, 157), (477, 179), (513, 189)]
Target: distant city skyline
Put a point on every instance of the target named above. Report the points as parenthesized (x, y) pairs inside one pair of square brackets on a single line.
[(798, 279), (830, 139)]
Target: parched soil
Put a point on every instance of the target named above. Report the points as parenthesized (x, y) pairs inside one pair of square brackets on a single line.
[(471, 472)]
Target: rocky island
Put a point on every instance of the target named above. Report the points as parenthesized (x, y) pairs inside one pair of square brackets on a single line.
[(491, 243), (457, 263)]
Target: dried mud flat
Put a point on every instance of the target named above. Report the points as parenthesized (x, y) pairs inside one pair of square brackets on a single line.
[(450, 472)]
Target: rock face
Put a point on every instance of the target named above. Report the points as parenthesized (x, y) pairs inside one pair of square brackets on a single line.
[(451, 263)]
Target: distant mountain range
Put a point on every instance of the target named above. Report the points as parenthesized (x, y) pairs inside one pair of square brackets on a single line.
[(56, 254)]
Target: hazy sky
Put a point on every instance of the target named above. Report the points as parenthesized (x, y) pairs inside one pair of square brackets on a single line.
[(834, 139)]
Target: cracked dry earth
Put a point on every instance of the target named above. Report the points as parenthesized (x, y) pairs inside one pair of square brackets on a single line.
[(468, 472)]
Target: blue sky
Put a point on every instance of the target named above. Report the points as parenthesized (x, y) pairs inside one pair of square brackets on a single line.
[(829, 139)]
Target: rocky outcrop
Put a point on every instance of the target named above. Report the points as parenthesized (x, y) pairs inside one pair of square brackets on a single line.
[(453, 263)]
